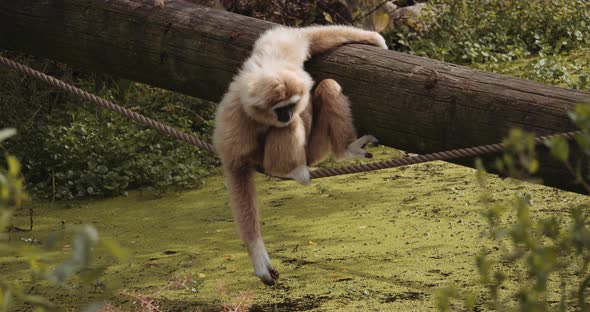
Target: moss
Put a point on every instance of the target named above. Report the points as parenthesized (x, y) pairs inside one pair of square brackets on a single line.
[(373, 241)]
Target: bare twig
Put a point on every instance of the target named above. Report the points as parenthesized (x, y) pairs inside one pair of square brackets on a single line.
[(356, 19)]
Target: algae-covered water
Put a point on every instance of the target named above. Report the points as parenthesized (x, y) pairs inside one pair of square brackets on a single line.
[(379, 241)]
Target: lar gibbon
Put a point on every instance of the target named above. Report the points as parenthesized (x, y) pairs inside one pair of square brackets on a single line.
[(269, 119)]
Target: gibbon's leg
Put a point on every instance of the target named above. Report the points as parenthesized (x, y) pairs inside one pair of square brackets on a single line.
[(284, 152), (242, 191), (332, 129), (324, 38)]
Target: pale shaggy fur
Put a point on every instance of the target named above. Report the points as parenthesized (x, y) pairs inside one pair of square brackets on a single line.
[(269, 119)]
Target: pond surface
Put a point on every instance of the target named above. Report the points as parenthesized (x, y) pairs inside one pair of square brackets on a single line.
[(375, 241)]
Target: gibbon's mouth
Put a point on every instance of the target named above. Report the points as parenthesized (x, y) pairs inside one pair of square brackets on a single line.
[(284, 113)]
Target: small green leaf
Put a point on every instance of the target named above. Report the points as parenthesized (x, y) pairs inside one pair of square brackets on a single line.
[(13, 166), (328, 17), (559, 148), (583, 141), (470, 301), (380, 21), (533, 166)]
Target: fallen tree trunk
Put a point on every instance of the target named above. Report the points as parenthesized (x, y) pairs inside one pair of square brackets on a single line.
[(412, 103)]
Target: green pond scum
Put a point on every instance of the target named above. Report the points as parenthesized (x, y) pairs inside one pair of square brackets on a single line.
[(378, 241)]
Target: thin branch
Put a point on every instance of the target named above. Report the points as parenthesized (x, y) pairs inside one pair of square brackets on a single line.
[(370, 12), (569, 167)]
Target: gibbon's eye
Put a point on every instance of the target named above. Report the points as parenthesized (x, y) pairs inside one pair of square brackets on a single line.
[(284, 113), (259, 108)]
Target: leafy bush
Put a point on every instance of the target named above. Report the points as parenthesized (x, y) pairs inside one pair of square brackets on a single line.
[(552, 254), (75, 149), (468, 31), (85, 238), (570, 70), (556, 69)]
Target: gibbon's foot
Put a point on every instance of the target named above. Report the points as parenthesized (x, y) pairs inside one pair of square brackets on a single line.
[(160, 3), (374, 144), (262, 266), (356, 148), (274, 275), (301, 175)]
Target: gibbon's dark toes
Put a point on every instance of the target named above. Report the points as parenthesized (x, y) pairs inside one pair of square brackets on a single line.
[(274, 276), (368, 155)]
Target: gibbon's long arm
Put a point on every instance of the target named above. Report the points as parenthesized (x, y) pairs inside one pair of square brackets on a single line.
[(242, 190), (322, 39), (296, 45)]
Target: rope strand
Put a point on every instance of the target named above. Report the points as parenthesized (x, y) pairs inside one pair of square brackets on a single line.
[(316, 174)]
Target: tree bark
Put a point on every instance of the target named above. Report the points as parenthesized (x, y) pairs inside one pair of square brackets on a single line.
[(408, 102)]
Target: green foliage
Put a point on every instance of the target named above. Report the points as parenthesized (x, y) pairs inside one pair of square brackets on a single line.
[(490, 35), (12, 192), (559, 148), (85, 239), (520, 160), (368, 14), (468, 31), (75, 149), (570, 70), (542, 251)]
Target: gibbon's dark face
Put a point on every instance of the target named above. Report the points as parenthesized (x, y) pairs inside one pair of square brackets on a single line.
[(284, 113), (276, 99), (284, 109)]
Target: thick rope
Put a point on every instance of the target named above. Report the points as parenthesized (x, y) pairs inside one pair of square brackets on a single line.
[(318, 173), (446, 155), (108, 105)]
